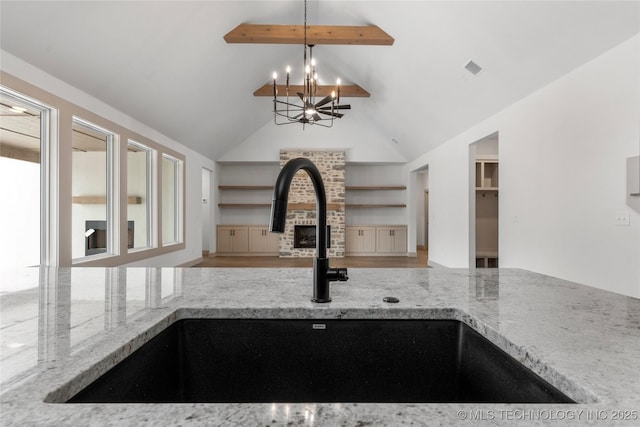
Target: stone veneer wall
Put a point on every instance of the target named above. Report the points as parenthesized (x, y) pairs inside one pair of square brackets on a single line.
[(331, 165)]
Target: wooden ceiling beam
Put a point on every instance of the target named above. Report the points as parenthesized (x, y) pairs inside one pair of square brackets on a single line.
[(316, 34), (346, 91)]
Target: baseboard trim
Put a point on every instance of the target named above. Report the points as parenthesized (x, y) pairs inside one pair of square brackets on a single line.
[(191, 263)]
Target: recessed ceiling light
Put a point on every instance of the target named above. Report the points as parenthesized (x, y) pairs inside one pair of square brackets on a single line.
[(473, 68)]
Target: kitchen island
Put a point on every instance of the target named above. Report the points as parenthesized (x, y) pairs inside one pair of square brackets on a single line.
[(63, 327)]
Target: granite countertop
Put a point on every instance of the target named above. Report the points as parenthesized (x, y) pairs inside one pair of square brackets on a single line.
[(61, 327)]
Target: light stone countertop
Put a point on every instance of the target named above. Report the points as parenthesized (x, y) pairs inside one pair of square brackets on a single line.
[(61, 328)]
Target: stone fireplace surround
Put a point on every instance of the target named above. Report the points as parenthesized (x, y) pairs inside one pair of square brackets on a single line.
[(302, 201)]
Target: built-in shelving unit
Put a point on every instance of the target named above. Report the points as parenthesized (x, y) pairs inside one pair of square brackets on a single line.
[(487, 212), (486, 174), (246, 240), (246, 188), (375, 188), (330, 207), (375, 200), (376, 240)]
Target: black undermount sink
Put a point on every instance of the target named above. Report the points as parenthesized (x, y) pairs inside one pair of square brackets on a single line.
[(264, 361)]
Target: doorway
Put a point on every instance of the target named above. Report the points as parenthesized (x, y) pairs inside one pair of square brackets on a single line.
[(206, 212), (484, 203), (421, 196)]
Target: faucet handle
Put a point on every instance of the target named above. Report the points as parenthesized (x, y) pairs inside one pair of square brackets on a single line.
[(337, 275)]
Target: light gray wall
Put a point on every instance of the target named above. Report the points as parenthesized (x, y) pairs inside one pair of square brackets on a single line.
[(562, 178)]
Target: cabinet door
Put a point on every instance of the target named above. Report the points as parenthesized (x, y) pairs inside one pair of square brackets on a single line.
[(391, 239), (225, 239), (352, 241), (273, 241), (232, 239), (263, 241), (399, 240), (384, 239), (257, 239), (360, 239), (368, 239), (240, 239)]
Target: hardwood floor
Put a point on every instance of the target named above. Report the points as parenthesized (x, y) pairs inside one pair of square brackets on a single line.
[(360, 261)]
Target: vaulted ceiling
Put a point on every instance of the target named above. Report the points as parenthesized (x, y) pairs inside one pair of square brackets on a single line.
[(166, 63)]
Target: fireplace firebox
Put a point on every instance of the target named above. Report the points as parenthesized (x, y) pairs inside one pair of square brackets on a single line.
[(96, 237), (304, 236)]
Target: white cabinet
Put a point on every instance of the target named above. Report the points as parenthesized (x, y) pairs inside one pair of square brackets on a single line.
[(360, 239), (247, 240), (232, 239), (261, 240), (391, 239), (376, 239), (486, 174)]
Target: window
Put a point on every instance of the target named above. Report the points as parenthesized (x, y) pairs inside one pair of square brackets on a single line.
[(139, 196), (171, 200), (110, 215), (93, 191), (24, 149)]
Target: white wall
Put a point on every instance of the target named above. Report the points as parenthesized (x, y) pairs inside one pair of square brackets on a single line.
[(562, 178), (264, 173), (375, 175), (357, 135), (20, 213)]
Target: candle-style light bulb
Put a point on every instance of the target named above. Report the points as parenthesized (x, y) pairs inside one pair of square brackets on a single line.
[(338, 81), (307, 69), (275, 88), (288, 71), (313, 62)]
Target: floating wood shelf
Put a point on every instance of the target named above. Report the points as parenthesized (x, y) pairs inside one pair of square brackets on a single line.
[(244, 205), (245, 187), (381, 205), (374, 188), (101, 200), (312, 206), (316, 34), (291, 206)]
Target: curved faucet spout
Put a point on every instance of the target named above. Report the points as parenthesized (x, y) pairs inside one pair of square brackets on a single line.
[(281, 199), (322, 273)]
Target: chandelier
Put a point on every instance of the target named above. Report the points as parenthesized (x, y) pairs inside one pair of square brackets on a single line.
[(306, 110)]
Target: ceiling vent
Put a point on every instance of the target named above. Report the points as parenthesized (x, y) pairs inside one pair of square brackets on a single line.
[(473, 68)]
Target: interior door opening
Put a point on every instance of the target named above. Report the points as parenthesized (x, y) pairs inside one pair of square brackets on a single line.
[(484, 203)]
